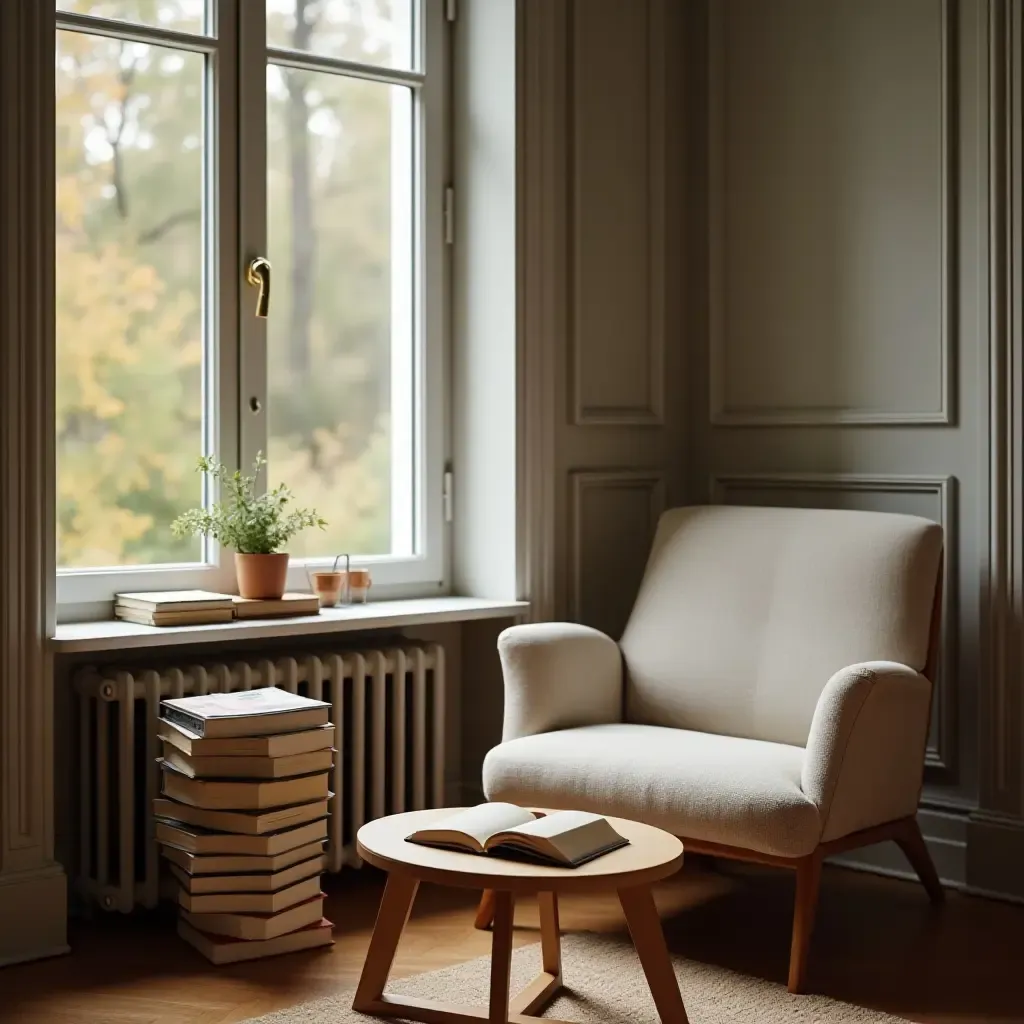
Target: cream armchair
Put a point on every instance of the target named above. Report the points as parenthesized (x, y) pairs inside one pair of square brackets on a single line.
[(769, 700)]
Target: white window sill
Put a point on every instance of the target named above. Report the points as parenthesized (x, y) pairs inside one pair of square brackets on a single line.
[(114, 635)]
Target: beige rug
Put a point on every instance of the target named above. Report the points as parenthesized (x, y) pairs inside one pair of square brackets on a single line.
[(606, 986)]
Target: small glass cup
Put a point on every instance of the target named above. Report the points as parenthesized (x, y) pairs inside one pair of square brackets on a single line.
[(328, 587), (357, 586)]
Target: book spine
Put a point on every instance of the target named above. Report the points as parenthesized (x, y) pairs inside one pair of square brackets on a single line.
[(178, 717)]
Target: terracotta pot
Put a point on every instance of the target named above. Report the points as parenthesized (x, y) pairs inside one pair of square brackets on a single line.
[(261, 575)]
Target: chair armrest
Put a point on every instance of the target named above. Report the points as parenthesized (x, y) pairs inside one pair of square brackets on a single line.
[(865, 753), (558, 675)]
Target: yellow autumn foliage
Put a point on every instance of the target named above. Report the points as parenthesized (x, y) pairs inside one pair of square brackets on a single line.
[(130, 301)]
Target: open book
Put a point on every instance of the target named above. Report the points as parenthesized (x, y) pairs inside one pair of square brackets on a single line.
[(562, 838)]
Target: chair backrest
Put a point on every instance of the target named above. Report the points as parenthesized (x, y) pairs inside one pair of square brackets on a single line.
[(745, 613)]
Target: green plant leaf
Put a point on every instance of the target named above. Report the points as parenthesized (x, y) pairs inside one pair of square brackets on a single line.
[(248, 523)]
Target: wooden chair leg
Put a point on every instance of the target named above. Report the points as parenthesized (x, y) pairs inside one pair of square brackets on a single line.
[(808, 882), (485, 912), (912, 843)]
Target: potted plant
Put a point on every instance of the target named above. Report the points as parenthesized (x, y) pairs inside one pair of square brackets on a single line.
[(255, 526)]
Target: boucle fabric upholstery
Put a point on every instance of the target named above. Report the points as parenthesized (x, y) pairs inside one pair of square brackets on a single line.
[(734, 664), (716, 788), (864, 759), (559, 674), (745, 613)]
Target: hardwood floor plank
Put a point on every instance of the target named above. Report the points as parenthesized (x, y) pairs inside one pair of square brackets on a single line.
[(877, 943)]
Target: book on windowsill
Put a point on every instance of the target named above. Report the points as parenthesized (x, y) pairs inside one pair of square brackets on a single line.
[(248, 767), (166, 601), (200, 617), (281, 745), (267, 882), (261, 712), (242, 795), (271, 607), (245, 823), (220, 949), (258, 927), (238, 864), (249, 902), (561, 839)]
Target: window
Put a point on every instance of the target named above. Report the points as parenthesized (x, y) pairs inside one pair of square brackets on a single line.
[(193, 137)]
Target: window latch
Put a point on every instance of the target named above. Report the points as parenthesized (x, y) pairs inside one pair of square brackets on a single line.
[(258, 275)]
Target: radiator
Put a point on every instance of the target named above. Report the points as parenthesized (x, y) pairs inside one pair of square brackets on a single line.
[(388, 709)]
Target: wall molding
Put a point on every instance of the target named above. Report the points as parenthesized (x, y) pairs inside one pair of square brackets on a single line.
[(721, 412), (652, 413), (585, 483), (941, 754), (542, 99), (1001, 698), (33, 906)]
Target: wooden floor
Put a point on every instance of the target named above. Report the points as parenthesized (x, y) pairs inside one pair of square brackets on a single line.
[(877, 944)]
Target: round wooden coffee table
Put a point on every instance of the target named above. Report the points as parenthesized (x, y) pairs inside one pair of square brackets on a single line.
[(630, 871)]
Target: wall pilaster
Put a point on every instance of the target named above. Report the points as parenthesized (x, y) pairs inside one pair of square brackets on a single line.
[(32, 886), (996, 831)]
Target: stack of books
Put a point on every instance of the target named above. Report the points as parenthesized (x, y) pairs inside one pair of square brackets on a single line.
[(200, 607), (242, 820), (174, 608)]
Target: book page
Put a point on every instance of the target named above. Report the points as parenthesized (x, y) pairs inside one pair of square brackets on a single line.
[(483, 821), (571, 836), (159, 597), (267, 700), (553, 825)]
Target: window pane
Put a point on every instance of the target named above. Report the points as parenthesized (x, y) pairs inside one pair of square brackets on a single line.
[(183, 15), (129, 152), (369, 31), (340, 341)]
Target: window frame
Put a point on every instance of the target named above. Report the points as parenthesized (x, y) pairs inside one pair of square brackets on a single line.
[(235, 364)]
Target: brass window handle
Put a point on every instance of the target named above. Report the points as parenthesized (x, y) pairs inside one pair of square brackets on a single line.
[(258, 275)]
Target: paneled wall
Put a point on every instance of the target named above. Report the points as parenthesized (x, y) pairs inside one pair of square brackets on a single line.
[(601, 410), (600, 109), (850, 322), (832, 186), (769, 253)]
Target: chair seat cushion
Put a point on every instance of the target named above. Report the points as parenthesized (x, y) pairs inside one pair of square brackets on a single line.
[(719, 789)]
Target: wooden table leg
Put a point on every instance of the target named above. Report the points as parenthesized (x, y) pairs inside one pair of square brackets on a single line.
[(649, 939), (547, 984), (501, 957), (399, 893), (550, 935)]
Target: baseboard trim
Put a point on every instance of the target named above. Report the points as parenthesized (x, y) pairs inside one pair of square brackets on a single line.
[(854, 863), (36, 954), (33, 915), (988, 894), (945, 834), (995, 856)]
